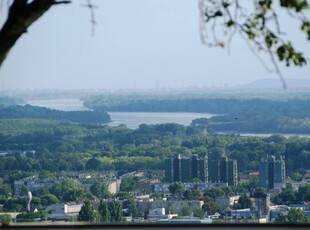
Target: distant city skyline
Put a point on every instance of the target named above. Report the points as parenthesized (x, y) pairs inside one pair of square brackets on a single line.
[(138, 44)]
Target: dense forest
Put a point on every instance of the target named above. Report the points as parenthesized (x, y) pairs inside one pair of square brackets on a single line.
[(28, 111), (55, 146), (235, 115)]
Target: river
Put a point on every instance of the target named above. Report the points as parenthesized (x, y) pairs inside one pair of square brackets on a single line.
[(65, 104), (131, 119)]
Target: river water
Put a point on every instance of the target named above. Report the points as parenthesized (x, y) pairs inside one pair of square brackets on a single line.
[(131, 119), (65, 104)]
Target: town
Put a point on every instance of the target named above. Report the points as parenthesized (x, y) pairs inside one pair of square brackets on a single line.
[(190, 189)]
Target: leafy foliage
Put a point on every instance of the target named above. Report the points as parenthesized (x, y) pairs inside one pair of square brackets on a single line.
[(64, 146), (115, 209), (105, 214), (243, 202), (5, 219), (289, 196), (177, 188), (31, 216), (128, 184), (259, 26), (294, 216), (210, 206), (68, 191), (87, 212)]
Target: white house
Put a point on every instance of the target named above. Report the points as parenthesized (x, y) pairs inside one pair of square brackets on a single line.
[(64, 209)]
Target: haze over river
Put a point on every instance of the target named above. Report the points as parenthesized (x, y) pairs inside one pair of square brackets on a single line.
[(131, 119)]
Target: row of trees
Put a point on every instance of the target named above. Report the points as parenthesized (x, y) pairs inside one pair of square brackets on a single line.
[(108, 212)]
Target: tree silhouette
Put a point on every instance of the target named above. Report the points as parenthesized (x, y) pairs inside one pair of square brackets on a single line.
[(115, 209), (176, 188), (87, 212), (105, 215), (21, 15)]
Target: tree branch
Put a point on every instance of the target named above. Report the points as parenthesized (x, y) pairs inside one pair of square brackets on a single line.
[(21, 16), (62, 2)]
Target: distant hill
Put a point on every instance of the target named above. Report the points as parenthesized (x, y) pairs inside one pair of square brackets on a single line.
[(276, 83)]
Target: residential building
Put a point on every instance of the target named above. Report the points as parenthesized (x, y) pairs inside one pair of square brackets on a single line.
[(160, 213), (226, 201), (274, 211), (201, 187), (306, 177), (223, 171), (175, 205), (185, 169), (64, 209), (146, 185), (245, 213), (272, 173), (32, 184), (114, 186)]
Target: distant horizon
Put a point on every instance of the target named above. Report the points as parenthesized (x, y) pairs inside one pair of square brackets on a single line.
[(149, 44), (245, 86)]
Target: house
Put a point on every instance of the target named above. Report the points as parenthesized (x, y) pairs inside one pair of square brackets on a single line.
[(146, 185), (164, 187), (229, 213), (114, 186), (275, 210), (176, 205), (33, 183), (306, 177), (64, 209), (160, 213), (226, 201)]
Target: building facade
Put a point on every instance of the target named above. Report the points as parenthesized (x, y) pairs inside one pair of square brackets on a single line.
[(223, 171), (176, 205), (272, 172), (185, 169)]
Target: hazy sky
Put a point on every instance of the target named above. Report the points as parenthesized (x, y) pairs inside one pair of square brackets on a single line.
[(137, 43)]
